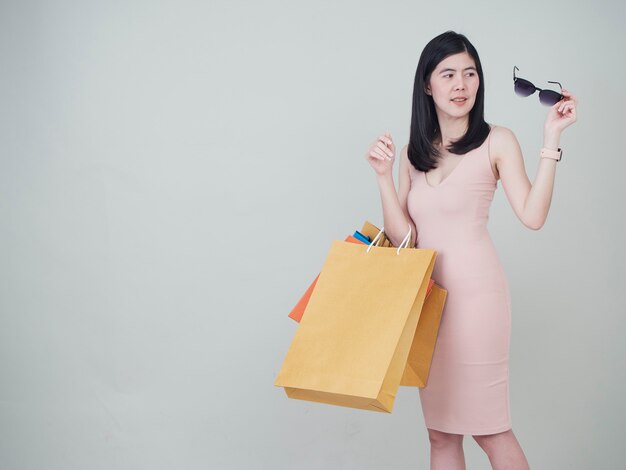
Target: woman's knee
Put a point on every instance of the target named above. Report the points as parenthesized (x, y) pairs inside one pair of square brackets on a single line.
[(439, 439)]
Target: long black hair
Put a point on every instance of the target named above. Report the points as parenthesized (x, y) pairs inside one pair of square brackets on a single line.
[(422, 152)]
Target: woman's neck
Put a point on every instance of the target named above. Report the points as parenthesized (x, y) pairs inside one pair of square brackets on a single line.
[(452, 129)]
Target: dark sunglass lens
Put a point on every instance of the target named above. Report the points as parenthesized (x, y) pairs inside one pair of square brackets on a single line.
[(549, 97), (523, 87)]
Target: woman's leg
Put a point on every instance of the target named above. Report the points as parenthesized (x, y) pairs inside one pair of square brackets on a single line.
[(503, 450), (446, 451)]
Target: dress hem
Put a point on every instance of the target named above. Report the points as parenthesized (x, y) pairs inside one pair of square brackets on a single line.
[(483, 432)]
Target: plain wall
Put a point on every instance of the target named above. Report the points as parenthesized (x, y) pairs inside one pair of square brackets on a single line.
[(172, 175)]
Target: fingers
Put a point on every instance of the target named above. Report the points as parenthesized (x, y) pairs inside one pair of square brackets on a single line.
[(382, 148), (566, 105), (382, 152), (377, 156), (569, 112), (568, 95), (386, 138)]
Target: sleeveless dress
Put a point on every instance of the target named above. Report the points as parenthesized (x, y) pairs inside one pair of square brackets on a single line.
[(467, 391)]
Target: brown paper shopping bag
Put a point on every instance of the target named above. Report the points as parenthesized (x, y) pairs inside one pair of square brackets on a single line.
[(298, 310), (423, 345), (351, 347)]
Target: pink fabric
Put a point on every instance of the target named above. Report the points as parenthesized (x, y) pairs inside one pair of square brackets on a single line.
[(468, 385)]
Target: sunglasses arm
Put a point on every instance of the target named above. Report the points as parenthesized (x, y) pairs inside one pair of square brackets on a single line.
[(557, 83)]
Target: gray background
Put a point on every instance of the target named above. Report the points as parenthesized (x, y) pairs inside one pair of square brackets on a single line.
[(172, 175)]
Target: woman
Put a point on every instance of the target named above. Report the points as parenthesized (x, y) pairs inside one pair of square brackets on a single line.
[(447, 209)]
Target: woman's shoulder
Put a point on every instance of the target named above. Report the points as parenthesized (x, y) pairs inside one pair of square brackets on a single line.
[(499, 132), (501, 135), (404, 159), (404, 153), (502, 140)]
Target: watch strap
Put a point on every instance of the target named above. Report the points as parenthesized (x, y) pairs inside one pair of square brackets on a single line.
[(554, 154)]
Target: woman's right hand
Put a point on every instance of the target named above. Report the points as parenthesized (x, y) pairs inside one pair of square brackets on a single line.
[(381, 154)]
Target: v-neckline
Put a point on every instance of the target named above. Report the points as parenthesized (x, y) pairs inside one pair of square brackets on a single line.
[(449, 174), (457, 165)]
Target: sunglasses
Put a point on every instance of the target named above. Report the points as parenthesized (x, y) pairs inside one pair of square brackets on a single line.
[(525, 88)]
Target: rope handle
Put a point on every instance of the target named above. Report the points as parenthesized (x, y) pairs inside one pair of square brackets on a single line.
[(404, 244)]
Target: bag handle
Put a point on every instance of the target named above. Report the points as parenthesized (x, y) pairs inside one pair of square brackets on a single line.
[(404, 244)]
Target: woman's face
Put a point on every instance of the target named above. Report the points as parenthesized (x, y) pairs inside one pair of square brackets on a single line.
[(453, 85)]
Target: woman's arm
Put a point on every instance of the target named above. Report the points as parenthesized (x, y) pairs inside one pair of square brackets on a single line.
[(396, 220), (395, 213), (531, 203), (404, 178)]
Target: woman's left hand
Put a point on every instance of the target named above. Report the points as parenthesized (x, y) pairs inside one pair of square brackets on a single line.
[(562, 114)]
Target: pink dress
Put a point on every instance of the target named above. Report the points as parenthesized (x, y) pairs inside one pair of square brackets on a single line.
[(468, 385)]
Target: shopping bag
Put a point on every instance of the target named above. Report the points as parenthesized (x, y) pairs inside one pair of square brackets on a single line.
[(351, 347), (420, 356), (423, 345), (297, 312), (369, 230)]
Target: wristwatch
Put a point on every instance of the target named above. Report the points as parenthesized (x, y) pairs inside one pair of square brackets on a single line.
[(554, 154)]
